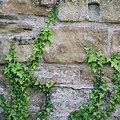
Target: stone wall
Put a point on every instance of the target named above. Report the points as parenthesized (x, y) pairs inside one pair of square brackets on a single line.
[(96, 22)]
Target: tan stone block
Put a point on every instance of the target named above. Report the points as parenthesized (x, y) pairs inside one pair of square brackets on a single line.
[(23, 51), (115, 41), (23, 7), (68, 42), (14, 28)]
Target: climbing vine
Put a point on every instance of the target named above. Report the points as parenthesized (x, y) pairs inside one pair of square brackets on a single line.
[(21, 77), (96, 108)]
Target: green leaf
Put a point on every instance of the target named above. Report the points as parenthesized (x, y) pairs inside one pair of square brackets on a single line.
[(99, 54), (114, 64), (92, 58)]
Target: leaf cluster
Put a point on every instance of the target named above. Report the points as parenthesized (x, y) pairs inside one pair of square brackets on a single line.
[(94, 109)]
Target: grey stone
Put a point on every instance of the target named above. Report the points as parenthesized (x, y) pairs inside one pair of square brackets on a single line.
[(8, 16), (115, 115), (37, 99), (62, 75), (1, 2), (65, 102), (90, 10), (2, 117), (1, 110), (47, 3)]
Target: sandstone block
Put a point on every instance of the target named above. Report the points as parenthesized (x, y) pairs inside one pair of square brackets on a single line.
[(68, 42), (23, 7), (23, 51)]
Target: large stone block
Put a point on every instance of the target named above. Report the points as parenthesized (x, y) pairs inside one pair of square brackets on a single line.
[(115, 41), (66, 100), (68, 42), (24, 7), (91, 10), (62, 75)]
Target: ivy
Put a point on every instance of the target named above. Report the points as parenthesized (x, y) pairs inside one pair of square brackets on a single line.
[(94, 109), (21, 77)]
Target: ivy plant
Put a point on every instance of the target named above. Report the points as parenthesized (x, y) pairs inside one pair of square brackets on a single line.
[(21, 77), (94, 109)]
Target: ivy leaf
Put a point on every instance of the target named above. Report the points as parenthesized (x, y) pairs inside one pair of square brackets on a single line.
[(108, 59), (99, 54), (114, 64), (47, 20), (92, 58), (9, 57)]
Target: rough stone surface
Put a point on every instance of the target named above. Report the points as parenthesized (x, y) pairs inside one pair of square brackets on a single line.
[(37, 99), (23, 51), (2, 117), (47, 2), (87, 74), (23, 7), (3, 79), (115, 41), (62, 106), (22, 31), (59, 73), (68, 42), (91, 10)]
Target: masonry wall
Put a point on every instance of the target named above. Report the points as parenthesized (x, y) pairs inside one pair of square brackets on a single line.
[(96, 22)]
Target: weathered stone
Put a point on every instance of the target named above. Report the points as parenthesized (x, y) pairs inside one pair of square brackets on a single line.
[(8, 16), (46, 2), (14, 28), (68, 42), (2, 117), (3, 79), (115, 115), (87, 74), (23, 7), (62, 106), (91, 10), (72, 11), (37, 99), (4, 48), (115, 41), (23, 51), (32, 116), (110, 11), (62, 75)]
